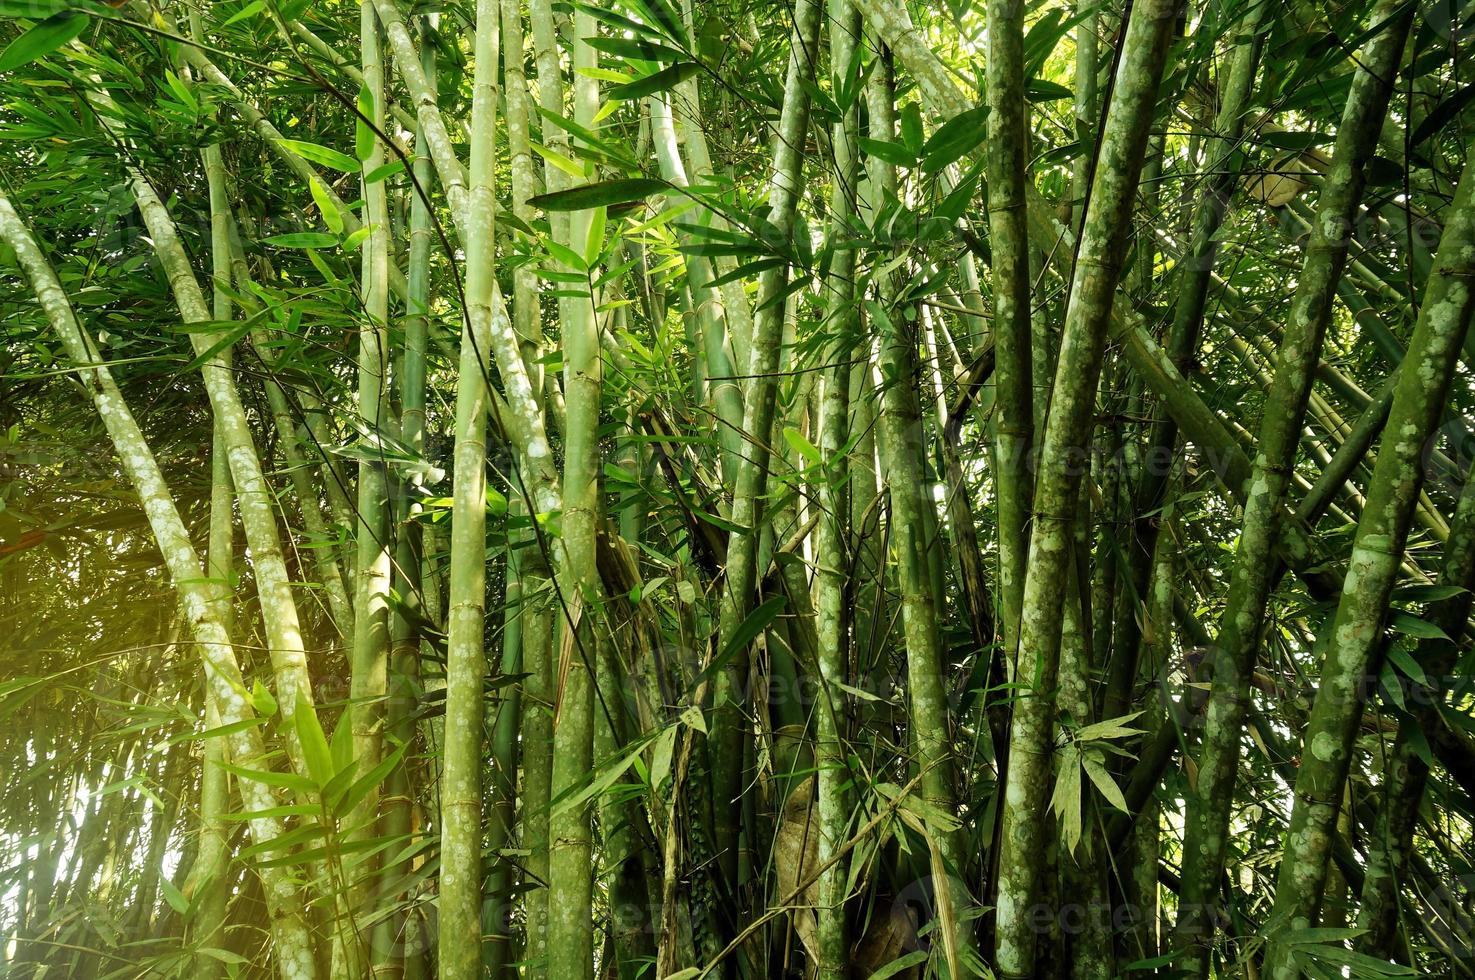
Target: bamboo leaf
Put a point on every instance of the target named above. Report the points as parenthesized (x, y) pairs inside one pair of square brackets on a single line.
[(322, 155), (41, 40), (286, 780), (315, 751), (1103, 781), (756, 622), (1401, 622), (915, 958), (363, 131), (1111, 728), (367, 783), (893, 153), (660, 81), (332, 217), (635, 49), (954, 138), (602, 194), (302, 239)]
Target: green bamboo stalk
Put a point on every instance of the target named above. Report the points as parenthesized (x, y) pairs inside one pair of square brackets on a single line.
[(208, 874), (369, 680), (1009, 244), (1098, 262), (728, 724), (539, 626), (1406, 772), (1083, 886), (254, 496), (1356, 631), (522, 419), (504, 717), (1086, 92), (902, 450), (524, 593), (832, 504), (1254, 569), (290, 931), (459, 943), (725, 393), (398, 947), (570, 866)]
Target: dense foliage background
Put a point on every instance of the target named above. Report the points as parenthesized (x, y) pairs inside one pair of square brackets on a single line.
[(677, 489)]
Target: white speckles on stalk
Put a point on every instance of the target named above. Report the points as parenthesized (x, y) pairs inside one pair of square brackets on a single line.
[(292, 943), (1325, 747)]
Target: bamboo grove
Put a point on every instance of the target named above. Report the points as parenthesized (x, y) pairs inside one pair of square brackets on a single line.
[(681, 489)]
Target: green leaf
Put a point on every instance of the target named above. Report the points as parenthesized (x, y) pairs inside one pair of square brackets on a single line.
[(893, 153), (746, 633), (954, 138), (1406, 664), (342, 743), (315, 751), (322, 155), (273, 813), (603, 778), (1041, 90), (302, 239), (915, 958), (368, 782), (602, 194), (594, 242), (262, 700), (634, 48), (1065, 801), (286, 780), (181, 91), (33, 9), (656, 82), (219, 732), (1111, 728), (1104, 783), (910, 126), (291, 839), (249, 10), (1426, 593), (173, 895), (332, 217), (1401, 622), (363, 131), (562, 253), (42, 39), (660, 763), (803, 446), (385, 170), (230, 338)]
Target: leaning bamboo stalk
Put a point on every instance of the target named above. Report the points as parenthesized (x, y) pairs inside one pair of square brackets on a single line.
[(523, 420), (1254, 570), (901, 450), (253, 493), (290, 930), (1406, 771), (1398, 474), (1099, 255)]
